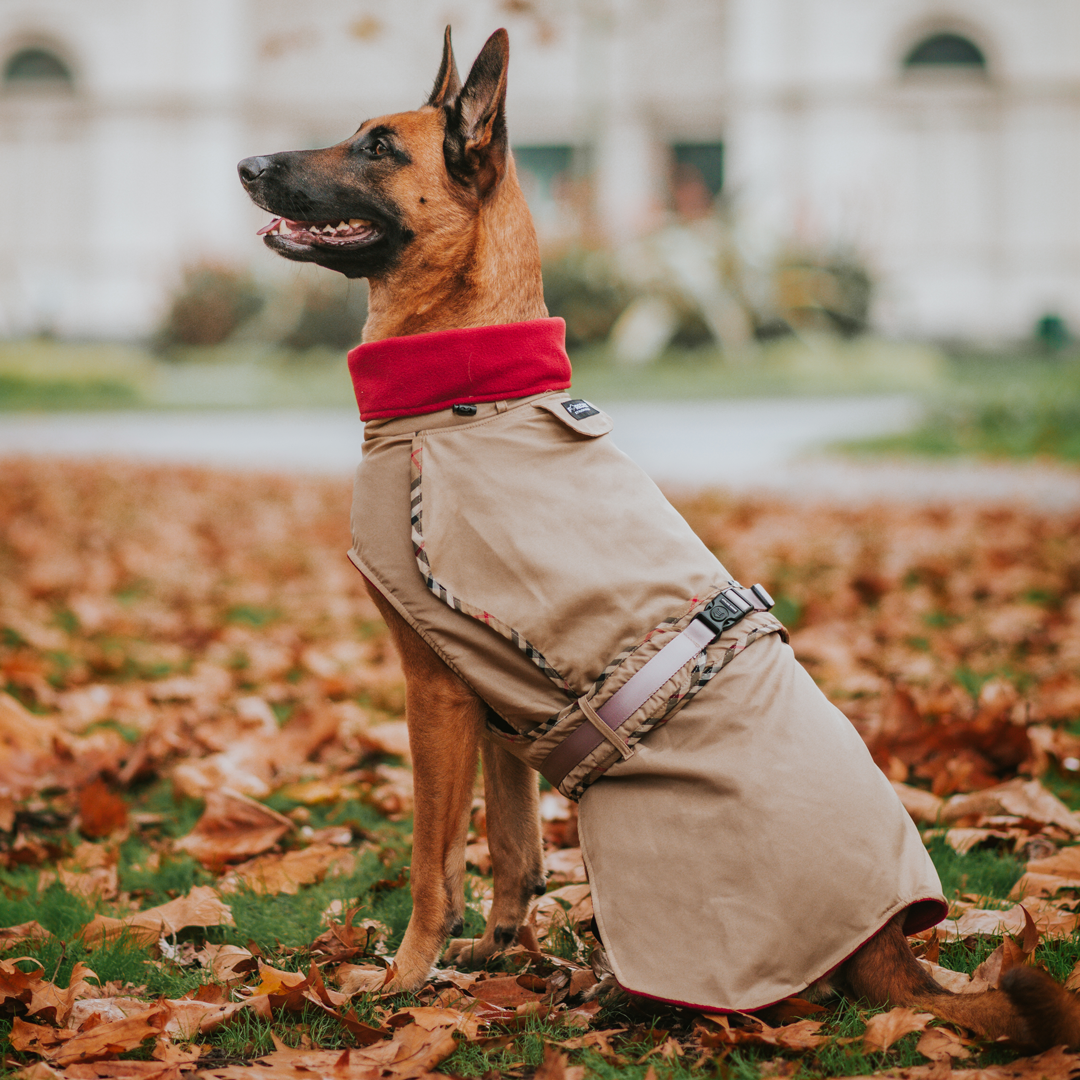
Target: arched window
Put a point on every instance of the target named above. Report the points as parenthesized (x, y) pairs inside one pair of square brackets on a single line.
[(946, 51), (37, 67)]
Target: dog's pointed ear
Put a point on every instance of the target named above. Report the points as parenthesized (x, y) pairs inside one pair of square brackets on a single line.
[(476, 141), (447, 82)]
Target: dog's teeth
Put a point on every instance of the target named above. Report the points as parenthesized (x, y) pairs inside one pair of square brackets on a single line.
[(341, 225), (355, 222)]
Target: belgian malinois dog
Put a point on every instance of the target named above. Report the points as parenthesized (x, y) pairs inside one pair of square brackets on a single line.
[(426, 205)]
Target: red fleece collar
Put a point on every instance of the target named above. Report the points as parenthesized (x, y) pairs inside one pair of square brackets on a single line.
[(422, 373)]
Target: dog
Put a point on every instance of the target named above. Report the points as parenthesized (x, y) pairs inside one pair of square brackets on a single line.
[(425, 204)]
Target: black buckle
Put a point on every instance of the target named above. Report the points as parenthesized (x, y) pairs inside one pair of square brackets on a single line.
[(726, 608), (763, 596)]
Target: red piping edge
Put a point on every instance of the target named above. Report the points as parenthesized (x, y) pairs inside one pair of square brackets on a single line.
[(919, 925)]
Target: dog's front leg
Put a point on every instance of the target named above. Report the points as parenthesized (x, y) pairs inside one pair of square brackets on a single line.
[(444, 718), (517, 857)]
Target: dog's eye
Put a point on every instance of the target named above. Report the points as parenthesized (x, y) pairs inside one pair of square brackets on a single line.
[(378, 149)]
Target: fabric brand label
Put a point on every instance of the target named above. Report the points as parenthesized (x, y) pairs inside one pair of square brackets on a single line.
[(579, 408)]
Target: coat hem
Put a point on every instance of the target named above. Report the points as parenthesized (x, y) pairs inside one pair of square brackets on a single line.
[(370, 576), (921, 924)]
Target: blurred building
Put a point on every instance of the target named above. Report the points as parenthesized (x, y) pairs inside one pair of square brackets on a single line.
[(936, 142)]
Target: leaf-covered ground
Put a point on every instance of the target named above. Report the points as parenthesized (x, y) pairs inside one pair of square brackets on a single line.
[(205, 797)]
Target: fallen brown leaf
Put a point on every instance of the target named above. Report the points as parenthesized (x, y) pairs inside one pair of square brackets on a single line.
[(802, 1035), (28, 931), (1066, 863), (1020, 798), (956, 981), (411, 1053), (886, 1028), (555, 1067), (923, 806), (506, 991), (565, 865), (286, 873), (431, 1018), (201, 907), (942, 1044), (232, 827), (101, 811), (54, 1005)]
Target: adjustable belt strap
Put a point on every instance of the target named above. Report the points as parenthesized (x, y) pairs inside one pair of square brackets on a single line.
[(723, 611)]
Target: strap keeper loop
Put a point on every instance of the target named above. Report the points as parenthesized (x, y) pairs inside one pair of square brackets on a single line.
[(608, 733)]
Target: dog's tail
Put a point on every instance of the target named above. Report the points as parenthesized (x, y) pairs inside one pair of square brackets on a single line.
[(1030, 1009), (1050, 1011)]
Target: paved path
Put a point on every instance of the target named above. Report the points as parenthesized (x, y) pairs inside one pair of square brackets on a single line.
[(745, 444)]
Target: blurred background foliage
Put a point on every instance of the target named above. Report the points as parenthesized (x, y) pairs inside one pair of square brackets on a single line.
[(681, 313)]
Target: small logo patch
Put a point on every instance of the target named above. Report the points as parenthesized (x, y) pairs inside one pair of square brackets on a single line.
[(579, 408)]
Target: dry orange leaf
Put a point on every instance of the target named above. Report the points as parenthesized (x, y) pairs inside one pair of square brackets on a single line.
[(28, 931), (89, 871), (231, 964), (54, 1005), (1066, 863), (1043, 885), (411, 1053), (956, 981), (570, 904), (273, 874), (101, 811), (802, 1035), (885, 1028), (201, 907), (40, 1039), (565, 864), (232, 827), (65, 1047), (356, 979), (555, 1067), (17, 986), (1019, 798), (942, 1044), (505, 991)]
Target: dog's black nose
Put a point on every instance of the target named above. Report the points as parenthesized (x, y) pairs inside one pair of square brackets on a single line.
[(251, 168)]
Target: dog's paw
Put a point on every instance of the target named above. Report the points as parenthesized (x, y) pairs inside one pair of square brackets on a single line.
[(468, 952), (472, 952)]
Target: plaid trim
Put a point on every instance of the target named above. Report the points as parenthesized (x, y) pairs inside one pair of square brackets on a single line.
[(416, 499), (700, 675)]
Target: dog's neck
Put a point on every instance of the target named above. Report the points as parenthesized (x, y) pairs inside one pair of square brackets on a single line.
[(488, 275)]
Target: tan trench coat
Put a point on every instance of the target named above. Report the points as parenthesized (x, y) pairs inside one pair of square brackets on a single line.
[(749, 843)]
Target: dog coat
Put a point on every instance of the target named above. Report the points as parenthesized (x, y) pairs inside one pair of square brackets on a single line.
[(739, 840)]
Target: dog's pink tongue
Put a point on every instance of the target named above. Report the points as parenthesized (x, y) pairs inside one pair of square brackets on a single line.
[(272, 227)]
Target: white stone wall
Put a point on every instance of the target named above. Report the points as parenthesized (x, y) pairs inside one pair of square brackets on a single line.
[(959, 194)]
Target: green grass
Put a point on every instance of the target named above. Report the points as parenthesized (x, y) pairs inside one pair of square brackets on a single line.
[(1018, 407), (18, 393), (792, 367), (282, 928), (1008, 405), (984, 872)]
